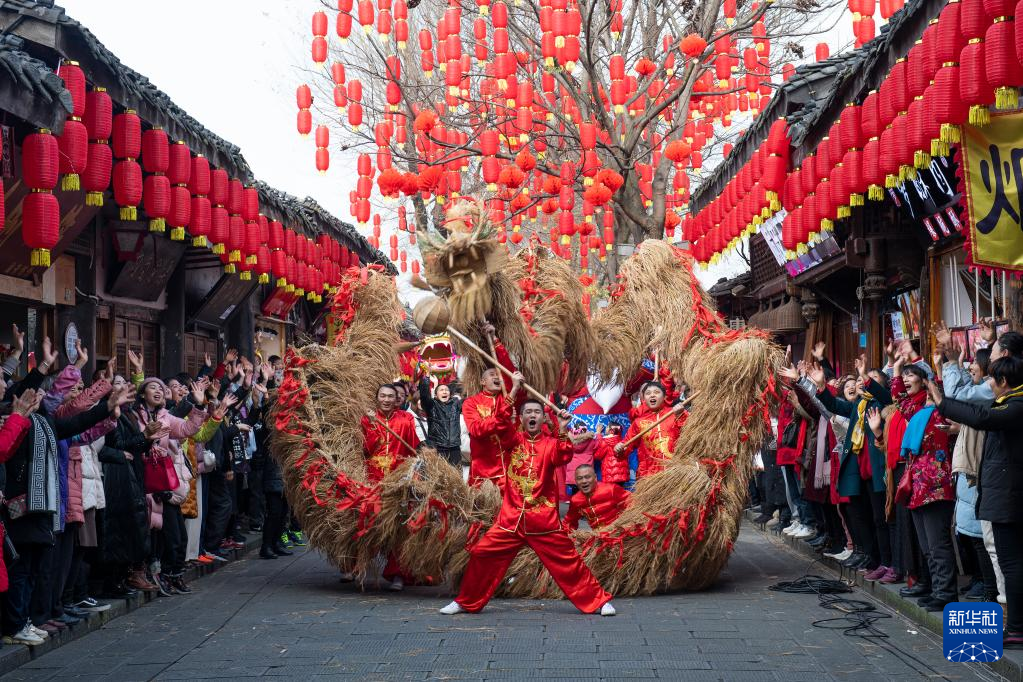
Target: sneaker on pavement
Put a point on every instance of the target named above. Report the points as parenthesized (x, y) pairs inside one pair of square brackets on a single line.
[(49, 628), (975, 593), (296, 537), (791, 528), (90, 604), (204, 559), (890, 577), (840, 556), (452, 608), (607, 609), (69, 619), (24, 636), (39, 632), (803, 532), (216, 557), (81, 614), (179, 584)]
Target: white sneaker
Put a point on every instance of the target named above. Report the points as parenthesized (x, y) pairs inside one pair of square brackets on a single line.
[(25, 636), (38, 632), (803, 532), (607, 609), (397, 585), (792, 528), (452, 608), (842, 556)]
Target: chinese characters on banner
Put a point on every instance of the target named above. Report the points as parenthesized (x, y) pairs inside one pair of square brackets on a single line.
[(993, 174)]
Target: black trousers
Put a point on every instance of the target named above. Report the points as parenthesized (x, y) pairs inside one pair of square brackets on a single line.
[(868, 525), (273, 522), (219, 510), (1009, 547), (23, 576), (175, 540), (934, 528), (64, 565), (50, 581), (984, 565)]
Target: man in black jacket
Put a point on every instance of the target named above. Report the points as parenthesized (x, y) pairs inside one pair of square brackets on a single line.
[(443, 421), (1001, 476)]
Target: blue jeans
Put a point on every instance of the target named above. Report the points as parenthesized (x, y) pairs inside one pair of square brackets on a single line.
[(794, 495)]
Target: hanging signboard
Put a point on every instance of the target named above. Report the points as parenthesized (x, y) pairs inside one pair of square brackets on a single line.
[(993, 181)]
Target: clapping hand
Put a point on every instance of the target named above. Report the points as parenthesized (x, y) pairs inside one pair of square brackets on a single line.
[(28, 402), (49, 356), (987, 330), (156, 430), (83, 354), (118, 397)]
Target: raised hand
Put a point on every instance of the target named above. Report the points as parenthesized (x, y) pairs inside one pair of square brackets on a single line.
[(231, 355), (889, 350), (861, 366), (229, 401), (874, 419), (937, 360), (83, 354), (49, 356), (788, 355), (789, 373), (935, 392), (198, 393), (27, 403), (136, 362), (942, 335), (900, 362), (987, 330), (111, 370), (207, 360), (19, 340), (818, 350), (816, 375), (118, 397)]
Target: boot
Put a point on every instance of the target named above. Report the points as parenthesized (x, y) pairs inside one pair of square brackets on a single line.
[(266, 553), (139, 581), (281, 550)]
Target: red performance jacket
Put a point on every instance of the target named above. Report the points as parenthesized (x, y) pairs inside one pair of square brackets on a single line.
[(599, 509), (383, 451)]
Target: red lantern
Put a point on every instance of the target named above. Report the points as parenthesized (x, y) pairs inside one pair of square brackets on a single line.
[(127, 174), (40, 226)]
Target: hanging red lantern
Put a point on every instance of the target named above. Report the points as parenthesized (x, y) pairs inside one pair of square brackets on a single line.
[(127, 174), (1003, 68), (40, 209), (98, 124)]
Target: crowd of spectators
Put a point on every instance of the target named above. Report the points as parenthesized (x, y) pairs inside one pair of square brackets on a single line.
[(115, 483), (907, 473)]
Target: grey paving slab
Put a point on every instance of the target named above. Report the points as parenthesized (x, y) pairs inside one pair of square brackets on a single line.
[(292, 619)]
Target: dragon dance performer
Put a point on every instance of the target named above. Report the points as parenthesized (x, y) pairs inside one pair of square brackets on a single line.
[(389, 437), (599, 503), (490, 438), (529, 516), (657, 445)]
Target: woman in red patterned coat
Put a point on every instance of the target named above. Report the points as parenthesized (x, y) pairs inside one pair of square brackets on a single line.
[(931, 490)]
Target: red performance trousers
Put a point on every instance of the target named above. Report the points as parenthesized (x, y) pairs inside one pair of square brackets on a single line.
[(490, 558)]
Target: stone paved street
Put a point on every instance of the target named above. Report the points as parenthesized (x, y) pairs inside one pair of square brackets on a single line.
[(292, 619)]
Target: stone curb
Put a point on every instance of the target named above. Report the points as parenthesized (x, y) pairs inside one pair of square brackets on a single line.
[(13, 656), (1011, 664)]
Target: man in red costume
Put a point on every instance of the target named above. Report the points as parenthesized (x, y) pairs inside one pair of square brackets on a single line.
[(384, 452), (599, 503), (490, 439), (657, 445), (529, 516)]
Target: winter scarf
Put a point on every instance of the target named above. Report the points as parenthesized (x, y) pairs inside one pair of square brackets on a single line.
[(44, 482), (913, 439)]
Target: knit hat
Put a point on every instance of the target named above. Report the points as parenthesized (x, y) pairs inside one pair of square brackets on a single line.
[(153, 380)]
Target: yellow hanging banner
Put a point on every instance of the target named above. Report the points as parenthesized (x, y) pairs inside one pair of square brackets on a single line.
[(992, 168)]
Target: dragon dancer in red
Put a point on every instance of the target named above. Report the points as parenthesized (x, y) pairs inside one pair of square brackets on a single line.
[(598, 502), (491, 431), (389, 437), (657, 445), (529, 516)]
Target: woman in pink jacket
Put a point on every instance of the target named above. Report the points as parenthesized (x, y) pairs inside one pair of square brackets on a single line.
[(168, 549)]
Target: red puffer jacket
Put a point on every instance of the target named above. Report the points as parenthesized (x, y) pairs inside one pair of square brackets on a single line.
[(613, 469)]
